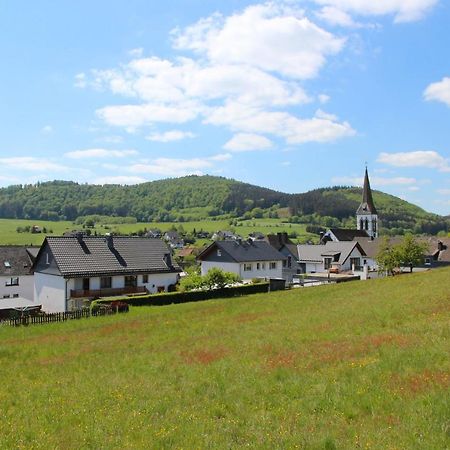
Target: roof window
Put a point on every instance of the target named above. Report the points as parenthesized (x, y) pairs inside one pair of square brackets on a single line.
[(7, 264)]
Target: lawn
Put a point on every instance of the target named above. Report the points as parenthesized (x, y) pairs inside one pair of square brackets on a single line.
[(355, 365), (9, 235)]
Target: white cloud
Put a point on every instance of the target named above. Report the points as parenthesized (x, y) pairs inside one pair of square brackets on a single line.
[(271, 37), (31, 164), (170, 136), (296, 131), (100, 153), (443, 191), (421, 158), (136, 52), (245, 71), (374, 181), (439, 91), (47, 129), (121, 179), (176, 167), (335, 16), (323, 98), (403, 10), (80, 80), (243, 142)]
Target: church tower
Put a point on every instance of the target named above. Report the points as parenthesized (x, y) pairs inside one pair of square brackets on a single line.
[(366, 214)]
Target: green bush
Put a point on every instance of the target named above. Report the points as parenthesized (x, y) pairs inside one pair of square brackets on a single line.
[(192, 296)]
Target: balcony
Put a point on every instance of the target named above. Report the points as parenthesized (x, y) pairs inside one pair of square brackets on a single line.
[(109, 292)]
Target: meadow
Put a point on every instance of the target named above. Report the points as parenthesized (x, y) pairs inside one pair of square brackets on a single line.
[(348, 366), (10, 236)]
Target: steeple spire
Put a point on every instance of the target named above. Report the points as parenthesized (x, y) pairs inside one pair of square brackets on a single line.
[(367, 206)]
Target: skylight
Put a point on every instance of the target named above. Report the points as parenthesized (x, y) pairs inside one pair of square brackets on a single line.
[(7, 264)]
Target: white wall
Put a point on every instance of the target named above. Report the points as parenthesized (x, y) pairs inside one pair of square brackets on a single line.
[(49, 291), (25, 289), (238, 268)]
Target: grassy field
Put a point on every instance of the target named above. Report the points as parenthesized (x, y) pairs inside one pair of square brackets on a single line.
[(356, 365), (9, 235)]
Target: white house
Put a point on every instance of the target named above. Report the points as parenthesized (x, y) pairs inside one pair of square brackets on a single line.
[(249, 260), (338, 256), (16, 276), (70, 269)]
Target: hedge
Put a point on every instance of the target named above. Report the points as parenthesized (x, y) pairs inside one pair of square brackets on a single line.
[(191, 296)]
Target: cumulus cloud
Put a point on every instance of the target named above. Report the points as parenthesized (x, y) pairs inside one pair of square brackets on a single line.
[(272, 37), (375, 181), (402, 10), (335, 16), (421, 158), (92, 153), (439, 91), (243, 72), (120, 179), (243, 142), (32, 164), (170, 136), (47, 129)]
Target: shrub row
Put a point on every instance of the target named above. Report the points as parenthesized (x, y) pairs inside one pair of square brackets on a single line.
[(192, 296)]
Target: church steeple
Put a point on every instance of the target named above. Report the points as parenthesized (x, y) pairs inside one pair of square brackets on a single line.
[(366, 214), (367, 206)]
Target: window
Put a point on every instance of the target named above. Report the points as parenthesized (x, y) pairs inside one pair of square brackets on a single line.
[(130, 281), (327, 263), (289, 261), (427, 261), (86, 284), (263, 266), (247, 267), (273, 265), (258, 266), (145, 279), (47, 259), (284, 263), (105, 282), (7, 264), (219, 252), (14, 281), (15, 295), (6, 296), (355, 262)]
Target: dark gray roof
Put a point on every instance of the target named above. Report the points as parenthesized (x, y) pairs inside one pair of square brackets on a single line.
[(347, 234), (367, 205), (15, 260), (245, 251), (93, 256), (315, 253)]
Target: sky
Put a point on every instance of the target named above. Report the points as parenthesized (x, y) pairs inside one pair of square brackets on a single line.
[(292, 95)]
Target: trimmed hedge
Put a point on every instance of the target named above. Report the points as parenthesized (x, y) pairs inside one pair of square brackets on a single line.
[(191, 296)]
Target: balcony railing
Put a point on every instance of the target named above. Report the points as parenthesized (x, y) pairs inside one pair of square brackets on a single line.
[(109, 292)]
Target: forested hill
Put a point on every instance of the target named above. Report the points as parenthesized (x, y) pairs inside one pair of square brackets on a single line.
[(198, 197)]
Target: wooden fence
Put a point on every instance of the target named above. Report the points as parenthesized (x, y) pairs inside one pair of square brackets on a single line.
[(58, 317)]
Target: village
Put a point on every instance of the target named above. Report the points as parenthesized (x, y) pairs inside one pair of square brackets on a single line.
[(68, 272)]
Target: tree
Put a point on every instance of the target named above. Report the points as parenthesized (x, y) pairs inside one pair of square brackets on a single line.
[(217, 278), (411, 252), (388, 257), (191, 281)]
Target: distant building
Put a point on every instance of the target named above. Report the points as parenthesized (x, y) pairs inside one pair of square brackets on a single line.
[(245, 258), (288, 249)]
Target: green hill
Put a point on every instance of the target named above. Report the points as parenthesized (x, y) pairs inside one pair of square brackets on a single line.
[(195, 197), (348, 366)]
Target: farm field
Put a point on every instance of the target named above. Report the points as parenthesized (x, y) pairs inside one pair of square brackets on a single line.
[(355, 365), (9, 234)]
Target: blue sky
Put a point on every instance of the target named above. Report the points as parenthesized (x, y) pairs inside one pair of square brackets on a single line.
[(290, 95)]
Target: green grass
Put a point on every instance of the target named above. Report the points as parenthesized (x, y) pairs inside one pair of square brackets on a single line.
[(355, 365), (9, 235)]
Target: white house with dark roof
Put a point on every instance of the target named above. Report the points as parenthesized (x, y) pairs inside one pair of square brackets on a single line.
[(16, 276), (341, 256), (70, 269), (249, 260)]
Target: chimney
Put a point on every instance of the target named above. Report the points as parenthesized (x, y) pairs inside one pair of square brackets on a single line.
[(167, 260), (441, 246), (79, 236), (110, 241)]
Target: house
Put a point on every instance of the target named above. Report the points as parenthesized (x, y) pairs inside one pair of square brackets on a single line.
[(69, 270), (343, 234), (288, 249), (16, 276), (173, 239), (245, 258), (335, 256), (224, 235), (154, 233)]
